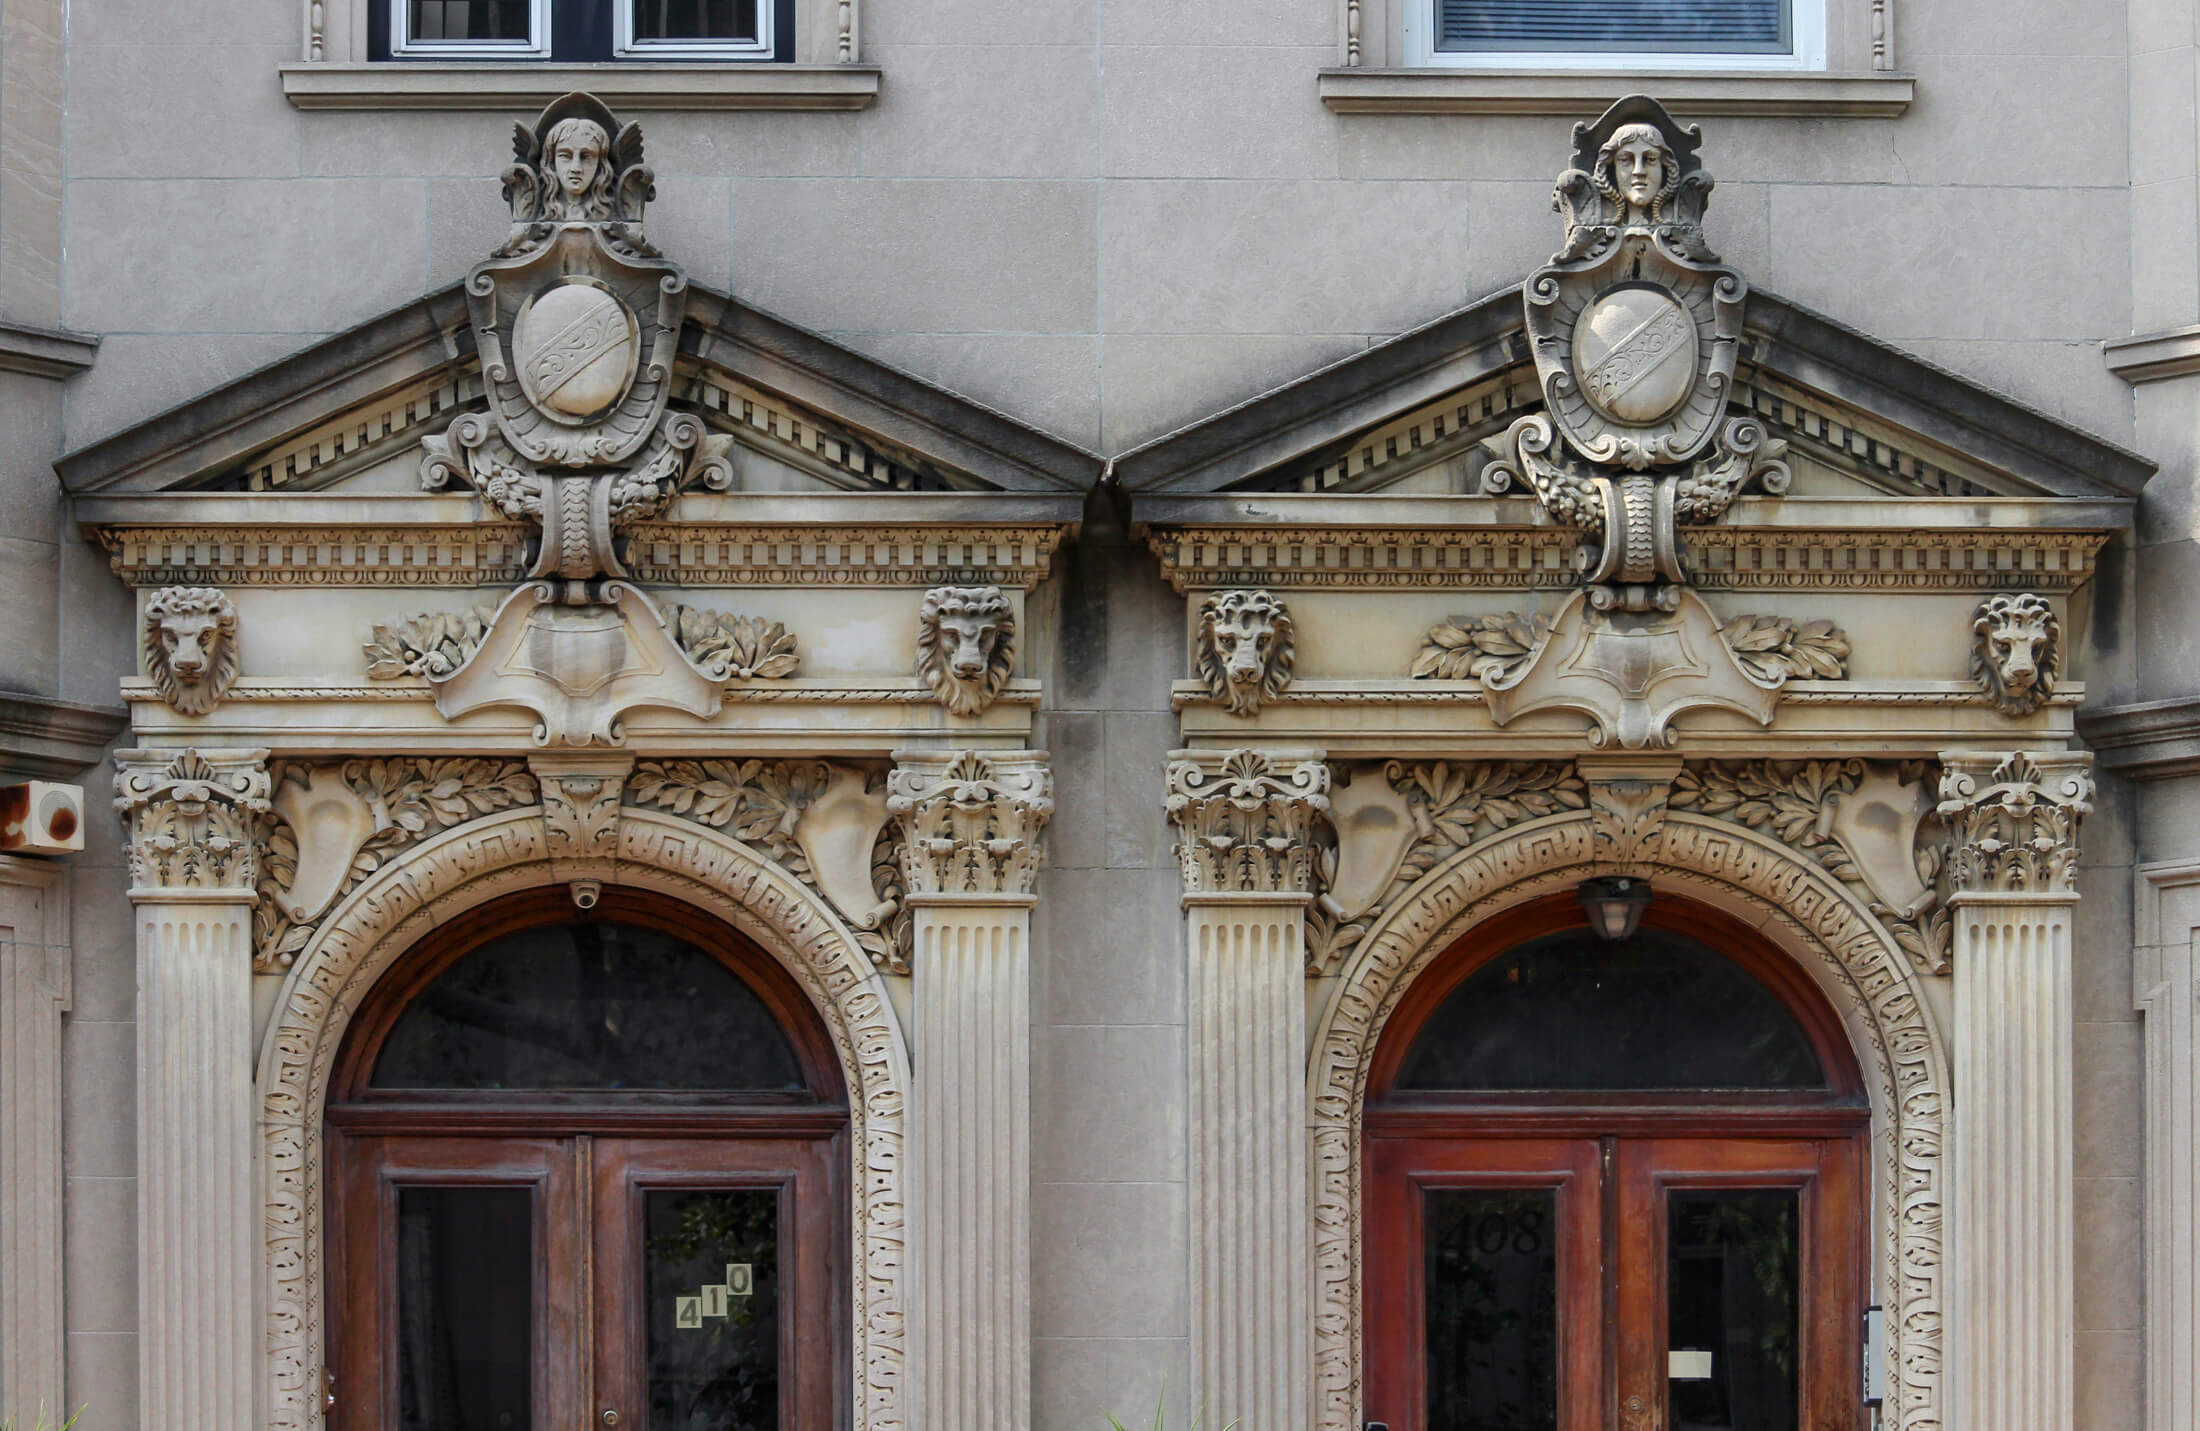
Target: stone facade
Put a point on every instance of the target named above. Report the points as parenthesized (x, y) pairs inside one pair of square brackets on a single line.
[(1079, 538)]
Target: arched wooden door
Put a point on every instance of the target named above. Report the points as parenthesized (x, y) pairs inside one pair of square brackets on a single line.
[(1614, 1184), (587, 1173)]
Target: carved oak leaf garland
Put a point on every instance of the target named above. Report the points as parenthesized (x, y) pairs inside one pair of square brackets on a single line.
[(432, 644), (733, 648), (1452, 804), (759, 802), (1486, 648), (409, 800), (1793, 801), (1775, 648)]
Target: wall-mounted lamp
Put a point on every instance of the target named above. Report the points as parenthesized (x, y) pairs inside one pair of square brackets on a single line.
[(1615, 904)]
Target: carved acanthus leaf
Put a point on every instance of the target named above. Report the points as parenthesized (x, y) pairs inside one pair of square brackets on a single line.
[(972, 823), (1778, 648), (1798, 803), (408, 800), (756, 801), (1481, 648), (726, 647), (433, 644), (188, 817), (1452, 805), (2015, 820), (1245, 819)]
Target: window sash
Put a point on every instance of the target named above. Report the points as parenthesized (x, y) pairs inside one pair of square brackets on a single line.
[(626, 46), (403, 45), (1548, 45), (1627, 26)]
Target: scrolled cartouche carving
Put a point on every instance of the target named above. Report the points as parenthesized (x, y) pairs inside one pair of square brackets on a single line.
[(1246, 647), (2016, 652), (966, 645), (190, 646), (408, 800)]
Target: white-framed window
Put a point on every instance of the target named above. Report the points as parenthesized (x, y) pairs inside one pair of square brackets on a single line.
[(1617, 34), (579, 30), (466, 29), (692, 29)]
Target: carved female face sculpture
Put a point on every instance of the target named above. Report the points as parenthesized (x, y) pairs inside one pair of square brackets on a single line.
[(577, 147), (1639, 164)]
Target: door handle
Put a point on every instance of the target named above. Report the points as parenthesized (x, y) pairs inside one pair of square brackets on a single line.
[(610, 1416)]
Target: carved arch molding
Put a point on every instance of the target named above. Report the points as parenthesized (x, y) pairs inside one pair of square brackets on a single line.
[(500, 853), (1802, 909)]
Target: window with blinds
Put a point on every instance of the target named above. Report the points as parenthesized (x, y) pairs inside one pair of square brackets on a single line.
[(1639, 26)]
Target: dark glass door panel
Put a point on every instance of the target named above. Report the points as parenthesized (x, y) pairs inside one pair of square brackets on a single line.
[(1733, 1307), (1491, 1308), (716, 1306), (1488, 1251), (465, 1300), (711, 1267)]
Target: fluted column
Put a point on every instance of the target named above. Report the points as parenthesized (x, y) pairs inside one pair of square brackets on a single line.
[(189, 817), (971, 826), (2014, 818), (1245, 823)]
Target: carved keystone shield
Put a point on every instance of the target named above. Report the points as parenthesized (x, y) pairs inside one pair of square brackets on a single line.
[(576, 346), (1635, 354)]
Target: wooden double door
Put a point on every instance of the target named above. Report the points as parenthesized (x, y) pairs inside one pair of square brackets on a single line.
[(1638, 1281), (551, 1283)]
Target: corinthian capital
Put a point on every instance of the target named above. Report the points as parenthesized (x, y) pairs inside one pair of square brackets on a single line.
[(2014, 817), (189, 817), (971, 822), (1245, 819)]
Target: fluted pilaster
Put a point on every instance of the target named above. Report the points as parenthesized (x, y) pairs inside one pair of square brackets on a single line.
[(972, 826), (34, 993), (189, 817), (1245, 826), (2015, 820)]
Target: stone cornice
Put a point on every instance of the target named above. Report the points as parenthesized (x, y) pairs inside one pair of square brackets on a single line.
[(827, 539), (1801, 350), (501, 84), (2153, 740), (2151, 357), (45, 352), (1491, 543), (416, 362), (44, 739)]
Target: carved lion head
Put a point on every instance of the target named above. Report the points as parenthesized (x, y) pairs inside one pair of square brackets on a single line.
[(191, 646), (966, 645), (2016, 652), (1245, 648)]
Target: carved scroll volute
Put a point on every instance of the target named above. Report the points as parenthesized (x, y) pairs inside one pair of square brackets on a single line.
[(1628, 798), (190, 818), (1245, 819), (2014, 817), (972, 822)]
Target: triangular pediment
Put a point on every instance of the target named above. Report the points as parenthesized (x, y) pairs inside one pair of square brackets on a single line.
[(344, 417), (1421, 414)]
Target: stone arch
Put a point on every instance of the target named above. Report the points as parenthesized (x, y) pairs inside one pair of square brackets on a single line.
[(472, 864), (1796, 905)]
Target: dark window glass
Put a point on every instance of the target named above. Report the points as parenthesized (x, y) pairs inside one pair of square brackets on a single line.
[(1574, 1012), (465, 1309), (689, 20), (468, 19), (1638, 26), (1732, 1294), (713, 1284), (1492, 1289), (589, 1005)]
